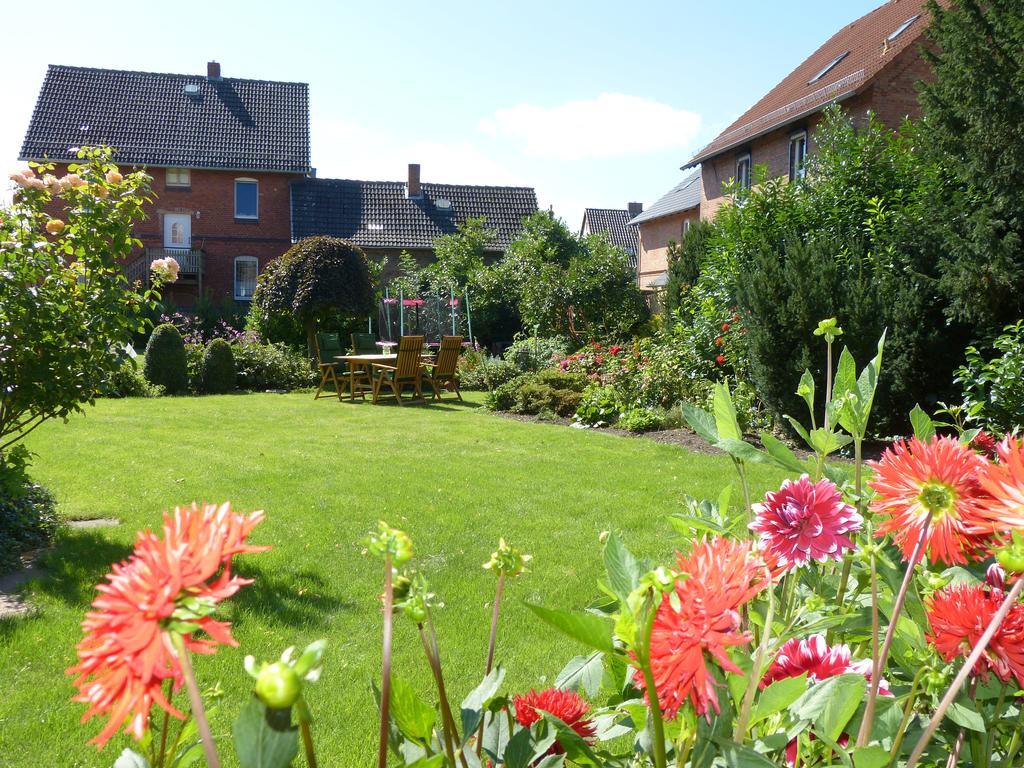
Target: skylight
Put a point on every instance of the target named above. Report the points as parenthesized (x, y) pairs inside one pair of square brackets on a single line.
[(903, 28), (828, 67)]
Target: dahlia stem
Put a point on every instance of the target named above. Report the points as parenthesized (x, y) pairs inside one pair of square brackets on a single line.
[(965, 672), (742, 472), (908, 711), (446, 710), (435, 670), (385, 683), (657, 721), (1011, 750), (828, 379), (991, 739), (307, 742), (196, 699), (163, 729), (958, 745), (490, 651), (878, 666), (740, 735)]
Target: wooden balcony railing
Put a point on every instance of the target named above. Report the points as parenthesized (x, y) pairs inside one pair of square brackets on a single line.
[(190, 263)]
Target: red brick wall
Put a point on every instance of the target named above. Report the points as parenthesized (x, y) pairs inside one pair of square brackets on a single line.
[(655, 235), (892, 96)]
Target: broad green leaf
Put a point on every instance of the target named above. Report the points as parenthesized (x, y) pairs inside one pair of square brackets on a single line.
[(519, 750), (725, 414), (825, 441), (806, 390), (586, 627), (582, 672), (830, 703), (265, 738), (778, 696), (742, 450), (963, 714), (552, 761), (701, 422), (873, 756), (576, 749), (738, 756), (924, 428), (799, 429), (473, 705), (846, 377), (623, 568), (781, 454), (414, 717), (436, 761)]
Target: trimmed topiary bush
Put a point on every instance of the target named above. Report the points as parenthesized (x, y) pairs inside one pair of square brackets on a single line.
[(218, 368), (165, 360)]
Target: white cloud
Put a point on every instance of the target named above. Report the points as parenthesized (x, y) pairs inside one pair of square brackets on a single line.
[(612, 124)]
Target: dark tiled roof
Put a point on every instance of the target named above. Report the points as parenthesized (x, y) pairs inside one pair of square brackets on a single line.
[(614, 223), (867, 51), (683, 196), (149, 119), (379, 214)]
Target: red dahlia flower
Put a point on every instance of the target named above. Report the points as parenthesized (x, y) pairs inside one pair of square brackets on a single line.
[(725, 327), (703, 616), (942, 477), (984, 444), (126, 653), (720, 359), (1004, 482), (805, 521), (958, 616), (567, 706)]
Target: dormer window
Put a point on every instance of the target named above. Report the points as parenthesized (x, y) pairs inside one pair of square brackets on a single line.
[(902, 28), (828, 68), (743, 171), (797, 155), (179, 177), (247, 196)]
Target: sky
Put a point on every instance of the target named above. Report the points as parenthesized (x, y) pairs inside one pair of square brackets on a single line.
[(594, 104)]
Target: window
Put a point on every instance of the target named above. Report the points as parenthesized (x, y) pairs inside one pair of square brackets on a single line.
[(247, 199), (743, 171), (902, 28), (246, 270), (686, 227), (179, 177), (828, 68), (797, 155), (177, 230)]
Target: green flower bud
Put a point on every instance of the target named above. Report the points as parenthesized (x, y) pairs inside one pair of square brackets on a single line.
[(389, 541), (507, 560), (278, 685), (1011, 555)]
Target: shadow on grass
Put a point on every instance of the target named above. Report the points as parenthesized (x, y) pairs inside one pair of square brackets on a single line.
[(296, 598), (447, 404)]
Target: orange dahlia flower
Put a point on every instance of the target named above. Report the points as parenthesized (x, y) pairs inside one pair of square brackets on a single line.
[(942, 477), (126, 654), (958, 616), (1004, 481), (702, 616)]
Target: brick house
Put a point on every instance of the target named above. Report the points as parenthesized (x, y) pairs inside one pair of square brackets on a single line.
[(222, 153), (872, 64), (663, 223), (615, 224), (385, 218)]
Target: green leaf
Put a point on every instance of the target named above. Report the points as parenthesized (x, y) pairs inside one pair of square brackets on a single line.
[(806, 390), (473, 705), (576, 748), (740, 449), (519, 750), (437, 761), (414, 717), (738, 756), (265, 738), (584, 672), (825, 441), (623, 568), (778, 696), (831, 703), (846, 376), (586, 627), (924, 428), (780, 453), (701, 422), (799, 429), (873, 756), (725, 414), (964, 715)]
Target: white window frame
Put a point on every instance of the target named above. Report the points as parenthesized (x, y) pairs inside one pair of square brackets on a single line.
[(686, 226), (744, 180), (798, 169), (256, 184), (234, 276), (172, 219), (178, 177)]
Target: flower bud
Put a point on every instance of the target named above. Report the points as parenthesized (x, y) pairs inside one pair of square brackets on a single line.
[(278, 685)]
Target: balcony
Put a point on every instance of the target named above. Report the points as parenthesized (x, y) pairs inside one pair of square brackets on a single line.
[(190, 264)]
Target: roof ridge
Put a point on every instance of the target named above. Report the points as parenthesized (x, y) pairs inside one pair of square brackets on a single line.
[(422, 184), (199, 76)]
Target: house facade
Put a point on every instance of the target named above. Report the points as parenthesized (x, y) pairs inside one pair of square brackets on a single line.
[(664, 223), (871, 65), (222, 153), (616, 225)]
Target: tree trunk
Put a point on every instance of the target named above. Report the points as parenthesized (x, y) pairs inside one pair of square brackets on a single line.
[(310, 325)]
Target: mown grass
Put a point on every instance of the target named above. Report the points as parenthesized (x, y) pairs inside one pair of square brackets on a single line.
[(455, 477)]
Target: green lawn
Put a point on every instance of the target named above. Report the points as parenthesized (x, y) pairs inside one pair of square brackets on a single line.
[(455, 477)]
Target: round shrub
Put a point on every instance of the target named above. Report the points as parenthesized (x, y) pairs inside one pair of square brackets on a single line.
[(128, 381), (218, 368), (165, 359)]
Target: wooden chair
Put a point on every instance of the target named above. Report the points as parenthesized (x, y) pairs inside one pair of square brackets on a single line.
[(328, 346), (444, 368), (364, 344), (407, 370)]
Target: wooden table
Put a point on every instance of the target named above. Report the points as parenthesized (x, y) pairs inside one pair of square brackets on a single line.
[(364, 362)]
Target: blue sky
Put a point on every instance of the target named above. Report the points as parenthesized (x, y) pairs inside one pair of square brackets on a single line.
[(592, 103)]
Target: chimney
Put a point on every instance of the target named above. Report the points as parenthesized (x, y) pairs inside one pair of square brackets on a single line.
[(635, 209), (213, 70), (413, 188)]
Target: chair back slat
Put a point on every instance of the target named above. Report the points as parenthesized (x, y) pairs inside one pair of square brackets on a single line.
[(448, 355), (328, 346), (410, 349), (364, 343)]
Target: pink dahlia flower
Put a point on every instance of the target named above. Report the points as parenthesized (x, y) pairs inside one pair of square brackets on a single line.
[(805, 521)]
